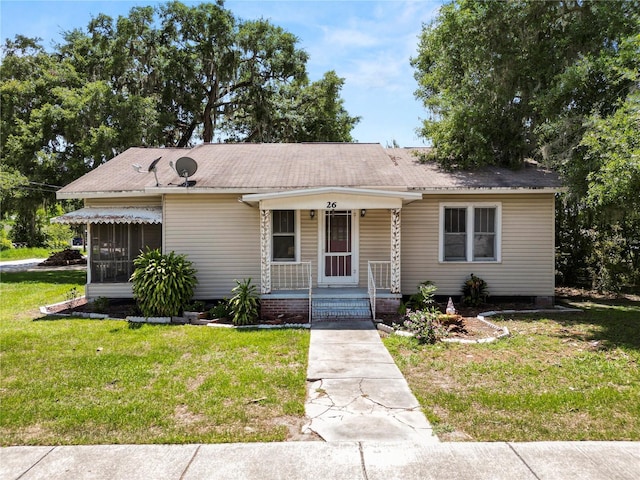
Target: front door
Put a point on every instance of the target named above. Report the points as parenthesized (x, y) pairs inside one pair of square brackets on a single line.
[(339, 262)]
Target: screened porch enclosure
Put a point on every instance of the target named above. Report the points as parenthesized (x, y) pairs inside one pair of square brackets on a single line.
[(115, 246), (116, 237)]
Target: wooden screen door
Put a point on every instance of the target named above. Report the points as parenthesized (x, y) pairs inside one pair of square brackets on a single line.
[(340, 260)]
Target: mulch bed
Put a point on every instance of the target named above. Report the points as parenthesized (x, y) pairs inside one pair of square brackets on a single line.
[(472, 328), (115, 308)]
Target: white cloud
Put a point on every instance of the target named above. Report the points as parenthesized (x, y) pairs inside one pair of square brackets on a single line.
[(349, 38)]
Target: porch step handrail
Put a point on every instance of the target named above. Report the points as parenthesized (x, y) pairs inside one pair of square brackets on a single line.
[(292, 276), (378, 277)]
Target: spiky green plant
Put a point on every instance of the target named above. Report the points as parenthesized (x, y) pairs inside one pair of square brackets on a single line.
[(163, 283), (244, 303)]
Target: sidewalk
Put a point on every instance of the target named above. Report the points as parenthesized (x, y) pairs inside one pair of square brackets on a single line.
[(320, 460), (355, 391)]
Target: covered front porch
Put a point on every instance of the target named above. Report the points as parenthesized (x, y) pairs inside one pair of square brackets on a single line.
[(336, 247)]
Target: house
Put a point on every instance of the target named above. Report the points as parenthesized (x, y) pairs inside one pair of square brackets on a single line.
[(317, 220)]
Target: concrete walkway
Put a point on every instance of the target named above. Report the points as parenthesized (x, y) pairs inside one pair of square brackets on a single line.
[(320, 460), (355, 390)]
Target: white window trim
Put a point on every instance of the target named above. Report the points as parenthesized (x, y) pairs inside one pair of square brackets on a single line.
[(471, 206), (296, 233)]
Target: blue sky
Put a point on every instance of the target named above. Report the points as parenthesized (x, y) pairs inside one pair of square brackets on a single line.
[(369, 43)]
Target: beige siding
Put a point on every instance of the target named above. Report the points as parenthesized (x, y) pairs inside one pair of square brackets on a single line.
[(220, 235), (375, 240), (142, 201), (109, 290), (527, 266), (309, 242)]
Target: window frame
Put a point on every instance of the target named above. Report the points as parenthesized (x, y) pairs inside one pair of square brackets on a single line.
[(296, 236), (470, 231)]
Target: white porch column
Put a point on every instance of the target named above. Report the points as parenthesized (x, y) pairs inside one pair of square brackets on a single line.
[(395, 250), (265, 251)]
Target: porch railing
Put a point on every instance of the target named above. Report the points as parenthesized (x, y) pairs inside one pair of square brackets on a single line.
[(379, 277), (292, 276)]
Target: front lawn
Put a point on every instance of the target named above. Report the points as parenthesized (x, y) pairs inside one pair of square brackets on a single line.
[(78, 381), (561, 376), (24, 253)]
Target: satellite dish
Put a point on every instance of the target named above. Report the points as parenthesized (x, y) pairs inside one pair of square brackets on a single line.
[(152, 168), (186, 167)]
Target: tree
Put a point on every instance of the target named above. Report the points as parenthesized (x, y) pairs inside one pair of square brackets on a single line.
[(198, 64), (555, 81), (173, 75), (56, 125), (497, 77), (297, 112)]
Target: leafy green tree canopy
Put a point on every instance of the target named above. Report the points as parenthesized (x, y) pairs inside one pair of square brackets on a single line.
[(504, 81), (171, 75)]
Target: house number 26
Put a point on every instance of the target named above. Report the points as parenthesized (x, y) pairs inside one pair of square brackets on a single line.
[(332, 204)]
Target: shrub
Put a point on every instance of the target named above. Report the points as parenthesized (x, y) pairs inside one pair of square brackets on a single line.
[(162, 284), (474, 291), (244, 303), (221, 310), (424, 325), (424, 299), (195, 306), (58, 236), (5, 241), (100, 305)]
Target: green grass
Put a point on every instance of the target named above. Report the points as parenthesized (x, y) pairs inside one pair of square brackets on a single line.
[(558, 377), (78, 381), (24, 253), (23, 293)]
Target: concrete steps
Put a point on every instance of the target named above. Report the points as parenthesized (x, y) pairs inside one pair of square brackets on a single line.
[(340, 308)]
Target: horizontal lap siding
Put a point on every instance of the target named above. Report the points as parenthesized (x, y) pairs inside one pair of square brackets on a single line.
[(220, 235), (309, 242), (109, 290), (527, 266), (375, 240)]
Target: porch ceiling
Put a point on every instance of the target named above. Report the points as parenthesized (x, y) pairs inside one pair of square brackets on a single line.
[(331, 198)]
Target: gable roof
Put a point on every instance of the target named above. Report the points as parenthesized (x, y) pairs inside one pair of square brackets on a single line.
[(256, 168), (429, 176)]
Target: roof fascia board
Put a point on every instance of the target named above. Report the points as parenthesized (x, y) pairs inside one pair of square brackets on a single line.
[(488, 190)]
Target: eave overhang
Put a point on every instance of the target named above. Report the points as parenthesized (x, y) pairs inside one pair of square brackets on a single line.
[(331, 198)]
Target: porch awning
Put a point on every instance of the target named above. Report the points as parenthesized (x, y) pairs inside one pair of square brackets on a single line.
[(332, 198), (112, 215)]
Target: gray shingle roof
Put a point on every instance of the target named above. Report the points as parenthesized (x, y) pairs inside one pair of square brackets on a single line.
[(263, 167)]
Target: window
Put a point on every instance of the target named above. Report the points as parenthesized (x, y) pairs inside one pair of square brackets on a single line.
[(455, 234), (470, 232), (284, 236), (115, 246)]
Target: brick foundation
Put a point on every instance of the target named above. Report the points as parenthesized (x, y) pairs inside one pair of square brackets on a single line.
[(274, 307), (387, 306), (544, 302)]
